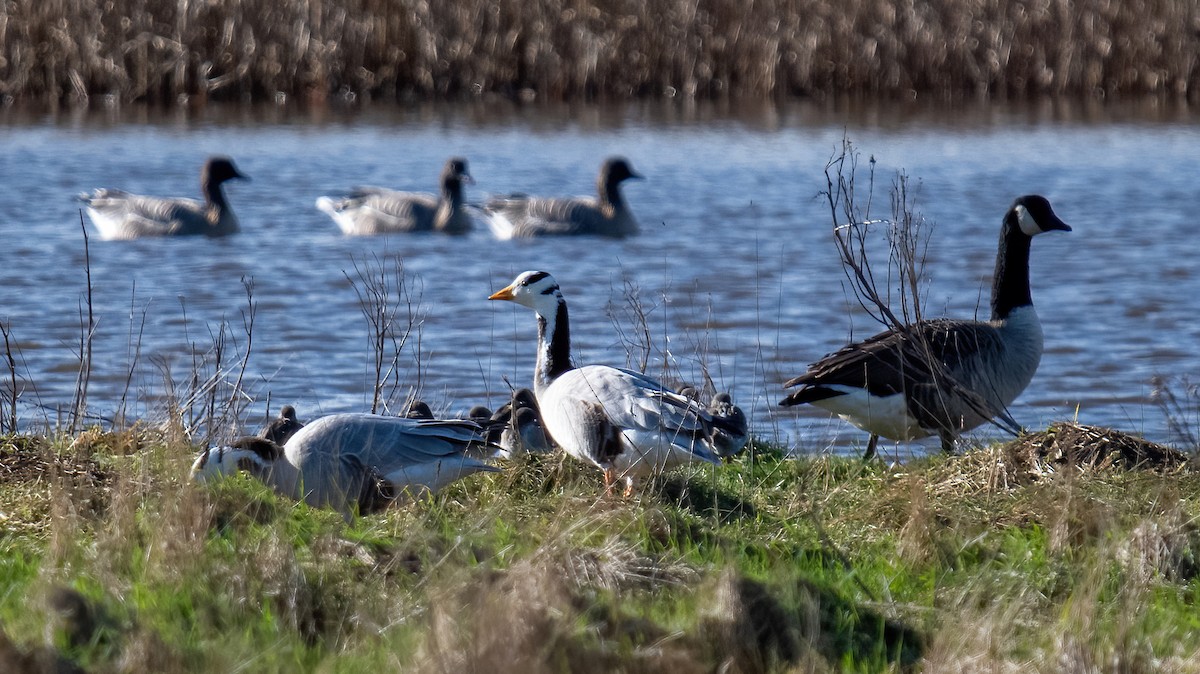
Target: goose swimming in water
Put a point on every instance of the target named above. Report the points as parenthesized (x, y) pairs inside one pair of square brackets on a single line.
[(623, 422), (521, 216), (942, 376), (283, 426), (376, 210), (356, 463), (121, 215)]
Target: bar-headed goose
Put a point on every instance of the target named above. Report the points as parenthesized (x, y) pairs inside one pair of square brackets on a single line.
[(621, 421), (942, 376), (356, 463), (521, 216), (517, 426), (377, 210), (282, 427), (121, 215)]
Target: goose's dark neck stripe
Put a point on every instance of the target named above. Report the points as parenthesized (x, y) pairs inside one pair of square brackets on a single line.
[(452, 190), (213, 194), (554, 357), (1010, 285)]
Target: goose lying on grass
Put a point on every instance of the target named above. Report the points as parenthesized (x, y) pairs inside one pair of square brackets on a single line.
[(356, 463), (121, 215), (623, 422), (377, 210), (517, 426), (520, 216), (943, 376)]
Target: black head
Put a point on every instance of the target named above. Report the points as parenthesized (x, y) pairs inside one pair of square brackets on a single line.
[(418, 409), (523, 398), (617, 169), (456, 170), (526, 416), (479, 413), (219, 169), (287, 412), (1033, 215)]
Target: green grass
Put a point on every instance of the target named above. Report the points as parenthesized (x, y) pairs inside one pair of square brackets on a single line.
[(817, 564)]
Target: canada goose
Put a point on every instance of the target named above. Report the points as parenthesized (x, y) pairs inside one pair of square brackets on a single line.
[(621, 421), (521, 216), (121, 215), (942, 376), (376, 210), (517, 426), (355, 463), (282, 427)]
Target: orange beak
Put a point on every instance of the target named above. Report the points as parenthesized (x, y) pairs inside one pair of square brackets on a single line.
[(505, 293)]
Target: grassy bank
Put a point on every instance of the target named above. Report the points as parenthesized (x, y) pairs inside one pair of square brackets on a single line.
[(163, 50), (992, 561)]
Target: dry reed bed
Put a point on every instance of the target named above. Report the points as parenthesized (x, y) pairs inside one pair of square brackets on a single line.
[(162, 50)]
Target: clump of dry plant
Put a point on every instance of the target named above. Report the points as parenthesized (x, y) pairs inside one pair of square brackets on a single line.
[(164, 51)]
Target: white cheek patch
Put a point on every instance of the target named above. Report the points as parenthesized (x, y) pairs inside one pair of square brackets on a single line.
[(1026, 221)]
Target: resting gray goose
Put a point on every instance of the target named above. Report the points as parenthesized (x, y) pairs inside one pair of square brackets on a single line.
[(282, 427), (521, 216), (356, 463), (121, 215), (376, 210), (517, 426), (623, 422), (942, 376)]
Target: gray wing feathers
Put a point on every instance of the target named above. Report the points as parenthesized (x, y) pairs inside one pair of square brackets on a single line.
[(383, 210), (151, 215), (534, 216)]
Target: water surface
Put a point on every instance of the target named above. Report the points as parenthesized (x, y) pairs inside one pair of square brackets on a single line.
[(735, 268)]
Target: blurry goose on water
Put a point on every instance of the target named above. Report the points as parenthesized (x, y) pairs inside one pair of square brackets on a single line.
[(943, 376), (623, 422), (121, 215), (356, 463), (521, 216), (282, 427), (377, 210)]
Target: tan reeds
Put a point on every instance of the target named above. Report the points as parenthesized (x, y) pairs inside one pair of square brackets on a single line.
[(165, 51)]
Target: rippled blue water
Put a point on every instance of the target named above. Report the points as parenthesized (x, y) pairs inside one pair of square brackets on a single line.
[(735, 266)]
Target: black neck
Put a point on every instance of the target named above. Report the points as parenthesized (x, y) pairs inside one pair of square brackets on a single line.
[(452, 191), (554, 356), (610, 192), (1010, 285), (213, 194)]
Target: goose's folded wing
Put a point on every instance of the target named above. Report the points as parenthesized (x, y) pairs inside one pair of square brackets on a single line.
[(634, 402), (540, 216), (888, 362)]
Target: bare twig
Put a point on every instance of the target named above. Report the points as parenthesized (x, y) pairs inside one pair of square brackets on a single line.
[(630, 317), (8, 422), (136, 345), (87, 333), (390, 300)]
